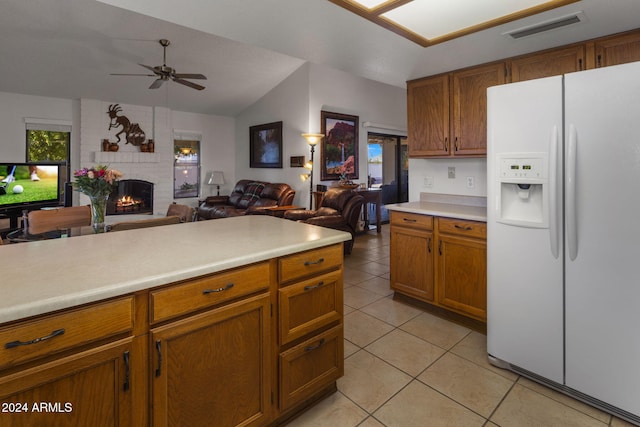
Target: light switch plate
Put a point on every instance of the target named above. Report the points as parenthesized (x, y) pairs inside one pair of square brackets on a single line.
[(452, 172)]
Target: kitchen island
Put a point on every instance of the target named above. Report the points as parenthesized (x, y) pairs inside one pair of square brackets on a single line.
[(439, 255), (229, 322)]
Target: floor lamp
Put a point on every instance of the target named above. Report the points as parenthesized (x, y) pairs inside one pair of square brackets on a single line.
[(312, 140)]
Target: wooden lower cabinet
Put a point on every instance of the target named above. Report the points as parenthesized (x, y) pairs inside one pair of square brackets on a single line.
[(412, 262), (212, 369), (250, 346), (90, 388), (310, 366), (441, 261), (462, 275)]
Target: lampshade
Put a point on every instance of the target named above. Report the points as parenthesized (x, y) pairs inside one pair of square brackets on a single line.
[(216, 178), (312, 138)]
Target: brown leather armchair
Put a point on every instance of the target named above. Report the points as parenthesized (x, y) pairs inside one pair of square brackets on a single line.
[(340, 209)]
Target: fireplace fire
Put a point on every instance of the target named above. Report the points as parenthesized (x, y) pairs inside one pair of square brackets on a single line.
[(132, 196)]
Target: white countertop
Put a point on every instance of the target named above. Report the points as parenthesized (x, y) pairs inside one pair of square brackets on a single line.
[(43, 276), (445, 205)]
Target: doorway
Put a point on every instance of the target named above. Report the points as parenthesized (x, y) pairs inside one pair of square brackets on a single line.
[(388, 168)]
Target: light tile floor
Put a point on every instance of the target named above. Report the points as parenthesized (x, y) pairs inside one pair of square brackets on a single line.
[(405, 367)]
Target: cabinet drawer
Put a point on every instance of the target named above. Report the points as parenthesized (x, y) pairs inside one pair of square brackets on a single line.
[(309, 263), (208, 291), (412, 220), (51, 334), (463, 227), (309, 367), (309, 305)]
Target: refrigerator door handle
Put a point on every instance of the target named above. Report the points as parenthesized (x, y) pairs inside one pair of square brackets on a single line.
[(571, 209), (554, 240)]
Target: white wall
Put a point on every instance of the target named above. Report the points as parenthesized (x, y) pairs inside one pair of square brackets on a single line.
[(297, 101), (437, 170)]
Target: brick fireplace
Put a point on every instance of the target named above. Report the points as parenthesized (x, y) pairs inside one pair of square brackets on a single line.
[(155, 168), (134, 196)]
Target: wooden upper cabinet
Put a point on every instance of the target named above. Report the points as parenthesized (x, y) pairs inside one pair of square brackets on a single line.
[(428, 116), (550, 63), (469, 108), (617, 49)]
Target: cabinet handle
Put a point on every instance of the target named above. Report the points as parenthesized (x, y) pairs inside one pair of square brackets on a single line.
[(429, 245), (315, 347), (127, 371), (599, 63), (211, 291), (455, 144), (440, 247), (14, 344), (159, 351), (446, 144), (579, 64), (320, 261), (409, 220), (310, 288), (459, 227)]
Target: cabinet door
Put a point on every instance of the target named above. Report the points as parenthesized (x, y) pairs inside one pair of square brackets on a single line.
[(462, 275), (428, 116), (412, 269), (91, 388), (311, 366), (211, 369), (307, 306), (618, 50), (547, 64), (469, 109)]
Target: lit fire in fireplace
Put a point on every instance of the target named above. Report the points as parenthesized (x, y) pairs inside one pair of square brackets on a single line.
[(128, 204)]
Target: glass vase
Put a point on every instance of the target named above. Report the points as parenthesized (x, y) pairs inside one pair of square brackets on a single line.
[(98, 211)]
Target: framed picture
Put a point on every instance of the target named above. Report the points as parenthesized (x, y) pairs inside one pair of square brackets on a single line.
[(339, 147), (266, 145), (297, 161)]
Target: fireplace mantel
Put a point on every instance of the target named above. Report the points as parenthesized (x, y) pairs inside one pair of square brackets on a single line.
[(108, 157)]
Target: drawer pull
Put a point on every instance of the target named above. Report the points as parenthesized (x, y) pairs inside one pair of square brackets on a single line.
[(211, 291), (310, 288), (409, 220), (159, 350), (429, 245), (13, 344), (127, 371), (460, 227), (315, 347), (320, 261)]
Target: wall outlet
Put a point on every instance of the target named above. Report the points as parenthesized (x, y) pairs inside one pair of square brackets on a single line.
[(471, 182), (428, 181), (452, 172)]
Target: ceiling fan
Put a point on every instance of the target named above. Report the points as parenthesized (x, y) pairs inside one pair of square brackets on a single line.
[(165, 73)]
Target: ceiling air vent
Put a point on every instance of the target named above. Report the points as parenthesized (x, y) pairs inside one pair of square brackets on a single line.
[(546, 26)]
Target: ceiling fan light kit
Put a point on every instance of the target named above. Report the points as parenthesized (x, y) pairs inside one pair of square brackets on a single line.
[(165, 73)]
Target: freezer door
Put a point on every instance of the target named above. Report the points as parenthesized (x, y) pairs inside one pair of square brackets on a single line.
[(603, 234), (524, 264)]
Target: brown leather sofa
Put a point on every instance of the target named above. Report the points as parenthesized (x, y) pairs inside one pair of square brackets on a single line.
[(248, 196), (340, 209)]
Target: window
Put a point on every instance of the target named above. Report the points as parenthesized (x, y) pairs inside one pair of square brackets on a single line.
[(186, 170)]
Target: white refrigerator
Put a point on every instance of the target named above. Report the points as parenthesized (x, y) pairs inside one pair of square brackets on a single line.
[(563, 243)]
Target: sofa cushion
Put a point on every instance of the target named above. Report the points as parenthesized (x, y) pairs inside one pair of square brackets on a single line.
[(251, 194)]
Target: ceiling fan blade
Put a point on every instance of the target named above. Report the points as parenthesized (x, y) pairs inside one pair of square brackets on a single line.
[(156, 84), (190, 76), (150, 68), (188, 83)]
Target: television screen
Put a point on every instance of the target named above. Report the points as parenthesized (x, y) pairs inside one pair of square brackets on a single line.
[(23, 185)]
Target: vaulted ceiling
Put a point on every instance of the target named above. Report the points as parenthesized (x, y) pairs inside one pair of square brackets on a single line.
[(69, 48)]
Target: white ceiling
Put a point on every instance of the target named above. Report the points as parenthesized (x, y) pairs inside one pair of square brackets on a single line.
[(68, 48)]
